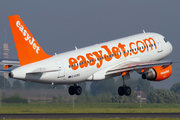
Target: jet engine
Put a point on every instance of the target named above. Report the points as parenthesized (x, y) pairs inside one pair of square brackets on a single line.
[(157, 73)]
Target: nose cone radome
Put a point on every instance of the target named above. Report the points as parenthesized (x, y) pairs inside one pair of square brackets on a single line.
[(169, 47)]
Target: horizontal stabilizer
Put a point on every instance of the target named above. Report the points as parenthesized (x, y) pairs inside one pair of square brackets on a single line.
[(9, 63), (42, 70)]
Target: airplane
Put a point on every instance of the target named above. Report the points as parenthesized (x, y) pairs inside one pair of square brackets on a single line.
[(142, 53)]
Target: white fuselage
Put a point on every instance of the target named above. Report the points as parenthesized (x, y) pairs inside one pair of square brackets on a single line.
[(67, 67)]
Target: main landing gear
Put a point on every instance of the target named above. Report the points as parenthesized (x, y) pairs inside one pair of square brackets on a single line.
[(75, 90), (124, 90)]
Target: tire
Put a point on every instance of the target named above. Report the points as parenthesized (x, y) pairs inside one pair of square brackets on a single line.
[(127, 91), (71, 90), (78, 90), (121, 91)]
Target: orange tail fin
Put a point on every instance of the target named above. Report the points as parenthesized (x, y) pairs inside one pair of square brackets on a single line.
[(27, 47)]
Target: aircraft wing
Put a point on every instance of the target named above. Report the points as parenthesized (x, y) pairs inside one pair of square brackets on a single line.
[(139, 66)]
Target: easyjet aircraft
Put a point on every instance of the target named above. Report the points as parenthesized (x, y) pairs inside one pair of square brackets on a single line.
[(140, 53)]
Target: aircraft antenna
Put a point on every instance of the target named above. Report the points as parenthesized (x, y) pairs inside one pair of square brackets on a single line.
[(144, 31)]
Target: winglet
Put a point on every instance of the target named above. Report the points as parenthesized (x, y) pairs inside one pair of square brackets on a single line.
[(27, 47)]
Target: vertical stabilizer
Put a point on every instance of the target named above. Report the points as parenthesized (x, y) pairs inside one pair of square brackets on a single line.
[(27, 47)]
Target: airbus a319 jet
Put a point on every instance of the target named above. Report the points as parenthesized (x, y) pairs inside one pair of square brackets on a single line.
[(141, 53)]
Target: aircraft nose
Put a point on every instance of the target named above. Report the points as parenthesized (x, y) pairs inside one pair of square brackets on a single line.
[(170, 46)]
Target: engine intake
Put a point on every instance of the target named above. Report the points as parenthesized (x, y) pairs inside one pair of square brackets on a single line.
[(150, 74), (157, 73)]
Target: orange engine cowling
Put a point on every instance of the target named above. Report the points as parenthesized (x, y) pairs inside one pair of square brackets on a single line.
[(157, 73)]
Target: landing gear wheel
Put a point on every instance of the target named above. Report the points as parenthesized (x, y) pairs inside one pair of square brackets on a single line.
[(121, 91), (75, 90), (124, 89), (71, 90), (78, 90), (127, 91)]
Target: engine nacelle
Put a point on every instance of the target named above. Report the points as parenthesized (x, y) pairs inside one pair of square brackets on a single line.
[(158, 73)]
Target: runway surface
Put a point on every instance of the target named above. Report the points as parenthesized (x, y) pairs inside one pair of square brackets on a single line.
[(91, 115)]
